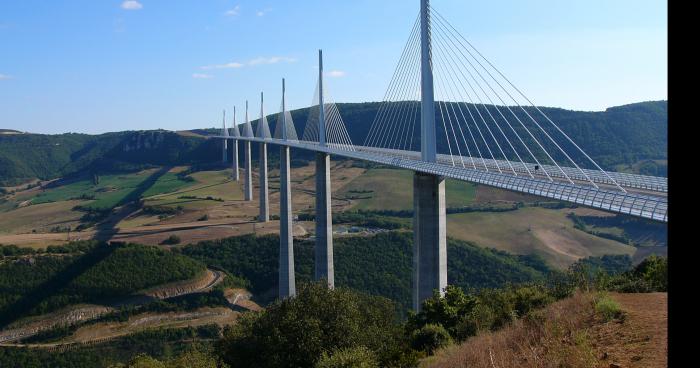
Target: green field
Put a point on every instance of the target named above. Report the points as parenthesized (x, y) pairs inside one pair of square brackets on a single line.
[(391, 189), (214, 184), (114, 190)]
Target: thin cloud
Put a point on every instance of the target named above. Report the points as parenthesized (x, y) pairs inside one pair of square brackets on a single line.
[(272, 60), (202, 76), (5, 77), (131, 5), (233, 12), (232, 65), (336, 73), (253, 62), (261, 13)]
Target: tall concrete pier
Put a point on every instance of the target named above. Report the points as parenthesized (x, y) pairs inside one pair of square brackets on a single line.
[(262, 171), (287, 284), (429, 237), (248, 185), (235, 175), (224, 132), (324, 223), (429, 224)]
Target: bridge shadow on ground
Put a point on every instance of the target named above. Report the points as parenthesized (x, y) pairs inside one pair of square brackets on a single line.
[(105, 230)]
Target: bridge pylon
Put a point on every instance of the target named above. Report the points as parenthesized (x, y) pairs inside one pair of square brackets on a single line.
[(264, 194), (224, 146), (287, 284), (429, 214), (248, 185), (235, 175), (323, 257)]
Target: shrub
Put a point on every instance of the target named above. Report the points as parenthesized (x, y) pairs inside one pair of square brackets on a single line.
[(607, 308), (359, 357), (171, 240), (204, 218), (296, 331), (654, 270), (430, 338)]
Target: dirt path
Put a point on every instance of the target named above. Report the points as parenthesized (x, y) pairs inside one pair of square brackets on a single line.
[(642, 339)]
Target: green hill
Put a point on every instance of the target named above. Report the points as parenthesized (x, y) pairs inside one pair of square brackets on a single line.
[(84, 272), (378, 265), (633, 137)]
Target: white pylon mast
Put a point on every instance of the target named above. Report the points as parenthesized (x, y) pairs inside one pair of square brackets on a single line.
[(427, 137), (321, 113), (284, 113)]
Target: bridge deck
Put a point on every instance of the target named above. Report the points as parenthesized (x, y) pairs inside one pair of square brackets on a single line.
[(646, 196)]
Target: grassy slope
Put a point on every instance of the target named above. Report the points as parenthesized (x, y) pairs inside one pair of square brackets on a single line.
[(545, 232), (215, 184), (113, 189), (569, 334), (393, 190)]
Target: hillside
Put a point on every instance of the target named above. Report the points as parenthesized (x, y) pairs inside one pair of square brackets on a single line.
[(84, 272), (378, 265), (28, 156), (569, 334), (631, 137)]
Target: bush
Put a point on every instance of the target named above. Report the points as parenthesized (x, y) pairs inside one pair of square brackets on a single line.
[(608, 309), (359, 357), (203, 218), (171, 240), (654, 270), (296, 331), (430, 338)]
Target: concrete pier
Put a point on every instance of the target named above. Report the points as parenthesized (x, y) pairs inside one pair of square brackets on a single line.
[(287, 284), (235, 175), (429, 237), (264, 203), (248, 185), (324, 223)]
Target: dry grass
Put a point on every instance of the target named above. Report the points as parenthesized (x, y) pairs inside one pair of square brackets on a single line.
[(569, 333), (552, 337)]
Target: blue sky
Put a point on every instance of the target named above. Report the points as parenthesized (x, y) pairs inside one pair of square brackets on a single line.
[(110, 65)]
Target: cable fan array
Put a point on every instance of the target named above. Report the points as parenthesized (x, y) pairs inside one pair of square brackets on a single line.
[(336, 134), (286, 130), (483, 121)]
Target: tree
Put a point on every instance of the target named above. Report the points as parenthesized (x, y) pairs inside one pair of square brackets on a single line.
[(430, 338), (296, 332), (359, 357)]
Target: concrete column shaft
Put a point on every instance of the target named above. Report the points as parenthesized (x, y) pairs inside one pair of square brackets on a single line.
[(264, 203), (235, 175), (324, 222), (287, 284), (248, 187), (429, 237), (224, 151)]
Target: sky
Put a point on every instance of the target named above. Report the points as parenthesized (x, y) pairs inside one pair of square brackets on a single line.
[(94, 66)]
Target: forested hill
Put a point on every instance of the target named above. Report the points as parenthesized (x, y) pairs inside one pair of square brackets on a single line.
[(27, 156), (632, 135)]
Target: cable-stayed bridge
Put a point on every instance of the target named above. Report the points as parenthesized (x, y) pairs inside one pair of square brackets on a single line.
[(448, 112)]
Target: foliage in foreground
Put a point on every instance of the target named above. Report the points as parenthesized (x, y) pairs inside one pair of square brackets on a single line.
[(297, 331)]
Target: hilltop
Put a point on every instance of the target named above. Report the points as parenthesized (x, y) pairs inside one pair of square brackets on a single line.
[(626, 138)]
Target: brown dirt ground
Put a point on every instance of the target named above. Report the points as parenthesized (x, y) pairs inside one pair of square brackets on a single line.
[(569, 334), (640, 341)]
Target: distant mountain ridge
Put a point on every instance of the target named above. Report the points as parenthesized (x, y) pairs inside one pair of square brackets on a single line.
[(621, 135)]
